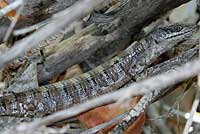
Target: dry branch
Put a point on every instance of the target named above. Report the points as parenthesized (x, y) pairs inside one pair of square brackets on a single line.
[(37, 10)]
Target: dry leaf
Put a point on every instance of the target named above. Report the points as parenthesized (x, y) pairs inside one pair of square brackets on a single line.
[(11, 14), (103, 114)]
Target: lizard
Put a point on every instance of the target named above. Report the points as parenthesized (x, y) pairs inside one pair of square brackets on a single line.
[(103, 79)]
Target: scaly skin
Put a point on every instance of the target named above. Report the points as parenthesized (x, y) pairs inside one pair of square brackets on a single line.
[(105, 78)]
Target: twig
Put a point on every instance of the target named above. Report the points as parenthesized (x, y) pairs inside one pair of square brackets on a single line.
[(10, 7), (37, 26), (13, 23), (59, 21), (30, 28), (172, 111), (134, 113), (2, 85), (159, 123), (164, 80), (106, 124)]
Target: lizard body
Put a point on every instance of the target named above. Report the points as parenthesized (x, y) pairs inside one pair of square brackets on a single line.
[(105, 78)]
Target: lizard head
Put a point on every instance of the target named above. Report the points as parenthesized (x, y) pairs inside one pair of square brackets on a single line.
[(175, 32)]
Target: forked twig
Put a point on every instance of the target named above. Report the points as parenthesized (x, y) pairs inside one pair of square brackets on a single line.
[(10, 7)]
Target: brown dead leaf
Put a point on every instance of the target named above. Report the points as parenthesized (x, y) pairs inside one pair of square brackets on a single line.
[(103, 114), (69, 73), (136, 128), (73, 71), (10, 15)]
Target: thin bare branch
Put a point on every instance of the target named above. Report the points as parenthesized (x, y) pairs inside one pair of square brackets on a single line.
[(2, 85), (13, 23), (30, 28), (10, 7), (164, 80), (160, 124), (105, 125)]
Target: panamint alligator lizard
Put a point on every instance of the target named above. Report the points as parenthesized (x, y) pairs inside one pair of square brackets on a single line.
[(105, 78)]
